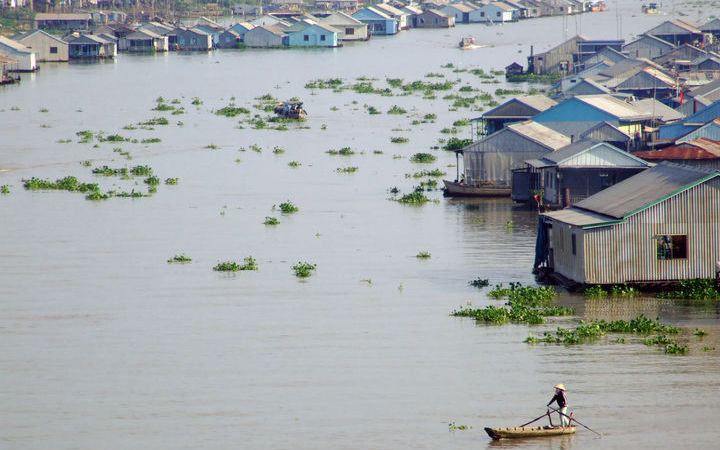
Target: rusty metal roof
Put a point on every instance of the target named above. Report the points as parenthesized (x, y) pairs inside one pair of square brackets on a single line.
[(695, 149), (644, 190)]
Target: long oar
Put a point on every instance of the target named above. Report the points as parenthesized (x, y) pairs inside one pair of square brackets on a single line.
[(535, 420), (573, 419)]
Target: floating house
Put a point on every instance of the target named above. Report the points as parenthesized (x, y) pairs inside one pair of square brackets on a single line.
[(378, 22), (496, 12), (397, 14), (144, 41), (601, 108), (264, 36), (270, 21), (514, 110), (649, 82), (193, 39), (460, 12), (710, 130), (348, 28), (229, 39), (598, 131), (241, 28), (63, 21), (691, 123), (577, 171), (433, 18), (25, 57), (84, 46), (46, 46), (493, 158), (311, 34), (661, 225), (677, 32), (648, 46)]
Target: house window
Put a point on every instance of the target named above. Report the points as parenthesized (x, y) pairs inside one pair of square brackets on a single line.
[(436, 21), (306, 37), (322, 37), (574, 244), (422, 20), (349, 31), (482, 13), (53, 49), (497, 13), (671, 246)]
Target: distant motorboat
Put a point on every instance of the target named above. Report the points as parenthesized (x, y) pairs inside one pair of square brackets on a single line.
[(467, 42)]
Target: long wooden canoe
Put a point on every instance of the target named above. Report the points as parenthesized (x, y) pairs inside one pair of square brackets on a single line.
[(527, 432), (453, 188)]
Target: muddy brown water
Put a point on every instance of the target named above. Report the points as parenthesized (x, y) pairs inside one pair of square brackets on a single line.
[(105, 344)]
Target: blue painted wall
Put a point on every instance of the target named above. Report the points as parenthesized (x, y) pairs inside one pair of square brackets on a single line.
[(312, 36), (377, 24)]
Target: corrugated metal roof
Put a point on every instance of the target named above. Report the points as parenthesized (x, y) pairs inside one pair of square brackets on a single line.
[(643, 190), (538, 101), (520, 107), (685, 151), (15, 45), (593, 153), (658, 109), (59, 16), (611, 105), (710, 130), (578, 217), (540, 134)]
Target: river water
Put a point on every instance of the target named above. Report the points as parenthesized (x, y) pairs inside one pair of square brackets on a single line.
[(104, 344)]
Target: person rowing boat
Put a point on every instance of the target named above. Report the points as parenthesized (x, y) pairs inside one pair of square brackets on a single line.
[(562, 404)]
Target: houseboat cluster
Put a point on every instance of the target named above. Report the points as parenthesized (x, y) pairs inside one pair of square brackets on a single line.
[(100, 34), (627, 143)]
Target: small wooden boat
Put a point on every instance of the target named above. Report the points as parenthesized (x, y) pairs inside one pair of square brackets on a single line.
[(454, 188), (528, 432), (467, 42)]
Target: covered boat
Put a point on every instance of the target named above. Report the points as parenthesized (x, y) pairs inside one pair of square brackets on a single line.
[(466, 42), (528, 432), (461, 189)]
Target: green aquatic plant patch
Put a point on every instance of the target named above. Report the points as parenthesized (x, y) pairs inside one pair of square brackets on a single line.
[(457, 144), (479, 282), (349, 169), (180, 258), (395, 109), (304, 269), (4, 189), (424, 158), (141, 171), (595, 328), (271, 220), (109, 171), (399, 140), (525, 304), (288, 207), (417, 197), (695, 289), (232, 111), (423, 255), (69, 183), (330, 83)]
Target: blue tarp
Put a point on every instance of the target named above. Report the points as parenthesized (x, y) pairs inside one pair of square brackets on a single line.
[(541, 244)]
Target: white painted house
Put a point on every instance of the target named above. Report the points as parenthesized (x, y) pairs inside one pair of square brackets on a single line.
[(495, 12), (24, 56)]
